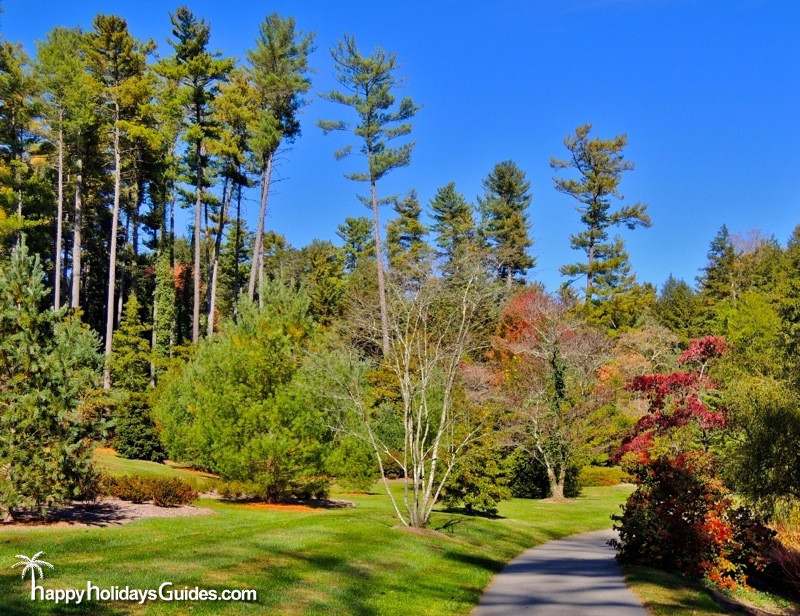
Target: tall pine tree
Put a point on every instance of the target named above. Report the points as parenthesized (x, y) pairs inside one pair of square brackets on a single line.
[(599, 165), (505, 226), (367, 88), (409, 253), (453, 225)]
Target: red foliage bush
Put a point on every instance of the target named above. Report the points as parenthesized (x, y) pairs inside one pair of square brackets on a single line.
[(682, 518)]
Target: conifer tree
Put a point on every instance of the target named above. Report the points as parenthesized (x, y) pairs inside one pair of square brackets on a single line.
[(367, 88), (19, 110), (61, 71), (789, 309), (599, 164), (676, 308), (164, 314), (357, 237), (504, 220), (130, 361), (118, 62), (718, 281), (409, 253), (279, 72), (235, 113), (199, 73), (47, 364), (453, 224)]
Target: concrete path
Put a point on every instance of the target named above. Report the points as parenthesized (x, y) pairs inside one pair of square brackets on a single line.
[(576, 576)]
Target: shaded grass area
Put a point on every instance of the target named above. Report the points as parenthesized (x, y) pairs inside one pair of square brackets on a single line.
[(338, 561), (667, 594)]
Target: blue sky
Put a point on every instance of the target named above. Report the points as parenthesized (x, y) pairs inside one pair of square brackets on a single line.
[(708, 92)]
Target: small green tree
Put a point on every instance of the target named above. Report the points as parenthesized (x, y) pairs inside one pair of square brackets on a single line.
[(356, 235), (164, 314), (130, 361), (676, 307), (409, 253), (47, 364), (453, 225), (136, 436), (480, 478), (504, 220)]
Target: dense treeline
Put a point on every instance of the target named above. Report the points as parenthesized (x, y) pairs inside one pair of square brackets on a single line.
[(419, 349)]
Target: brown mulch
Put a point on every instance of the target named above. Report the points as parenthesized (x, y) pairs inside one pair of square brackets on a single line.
[(104, 512)]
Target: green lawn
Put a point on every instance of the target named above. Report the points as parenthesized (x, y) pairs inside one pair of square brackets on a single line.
[(666, 594), (109, 462), (339, 561)]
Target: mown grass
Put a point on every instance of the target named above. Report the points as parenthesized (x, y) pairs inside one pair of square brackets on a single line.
[(667, 594), (107, 460), (336, 561)]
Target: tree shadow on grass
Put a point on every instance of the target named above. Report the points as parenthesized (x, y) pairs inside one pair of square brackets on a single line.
[(15, 600)]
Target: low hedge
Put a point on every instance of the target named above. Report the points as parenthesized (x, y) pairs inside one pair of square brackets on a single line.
[(170, 492)]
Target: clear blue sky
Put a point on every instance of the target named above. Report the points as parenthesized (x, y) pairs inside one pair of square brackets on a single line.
[(708, 92)]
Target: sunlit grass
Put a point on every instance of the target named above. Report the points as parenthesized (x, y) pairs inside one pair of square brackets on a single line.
[(339, 561)]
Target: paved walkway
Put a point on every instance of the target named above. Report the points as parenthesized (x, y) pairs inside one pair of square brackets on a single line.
[(576, 576)]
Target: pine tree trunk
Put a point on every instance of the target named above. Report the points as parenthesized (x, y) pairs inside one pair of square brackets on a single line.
[(255, 262), (237, 283), (76, 239), (212, 301), (112, 257), (59, 221), (379, 263), (198, 205)]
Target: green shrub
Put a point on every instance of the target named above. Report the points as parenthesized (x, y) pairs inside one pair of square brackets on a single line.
[(479, 480), (238, 490), (246, 406), (136, 436), (352, 463), (591, 476), (171, 492)]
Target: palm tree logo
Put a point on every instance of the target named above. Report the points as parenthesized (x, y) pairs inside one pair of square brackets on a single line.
[(33, 564)]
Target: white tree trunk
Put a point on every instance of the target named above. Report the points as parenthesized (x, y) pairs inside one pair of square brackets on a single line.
[(258, 244), (75, 302), (112, 257), (59, 221)]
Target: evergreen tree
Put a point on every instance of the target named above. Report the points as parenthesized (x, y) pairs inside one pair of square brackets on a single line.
[(717, 280), (235, 114), (130, 362), (233, 267), (60, 70), (599, 164), (19, 142), (199, 72), (367, 83), (789, 310), (322, 276), (676, 308), (504, 220), (356, 233), (164, 314), (118, 62), (47, 364), (279, 72), (409, 253), (453, 224)]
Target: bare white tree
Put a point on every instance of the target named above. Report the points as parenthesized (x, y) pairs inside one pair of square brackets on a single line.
[(434, 328)]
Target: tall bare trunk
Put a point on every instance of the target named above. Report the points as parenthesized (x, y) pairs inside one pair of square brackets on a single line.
[(379, 263), (236, 242), (258, 244), (198, 206), (112, 257), (76, 239), (212, 300), (59, 221)]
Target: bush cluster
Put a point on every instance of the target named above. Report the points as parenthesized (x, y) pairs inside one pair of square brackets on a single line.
[(681, 518), (529, 478), (170, 492), (592, 476)]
